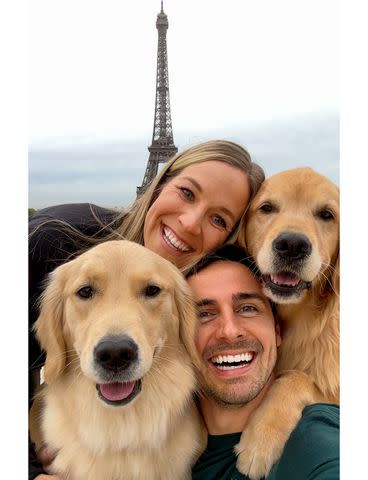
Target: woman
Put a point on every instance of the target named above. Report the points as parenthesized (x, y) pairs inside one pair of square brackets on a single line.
[(195, 204)]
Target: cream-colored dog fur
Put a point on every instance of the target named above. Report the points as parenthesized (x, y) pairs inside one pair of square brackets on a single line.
[(305, 202), (156, 435)]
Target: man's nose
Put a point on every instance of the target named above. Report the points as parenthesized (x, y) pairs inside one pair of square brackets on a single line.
[(229, 327), (191, 221)]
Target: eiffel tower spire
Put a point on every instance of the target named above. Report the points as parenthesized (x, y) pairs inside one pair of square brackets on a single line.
[(162, 147)]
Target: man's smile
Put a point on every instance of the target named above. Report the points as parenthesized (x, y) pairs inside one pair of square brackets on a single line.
[(227, 362), (232, 364)]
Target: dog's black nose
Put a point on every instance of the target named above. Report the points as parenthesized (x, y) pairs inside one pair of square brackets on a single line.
[(294, 246), (116, 353)]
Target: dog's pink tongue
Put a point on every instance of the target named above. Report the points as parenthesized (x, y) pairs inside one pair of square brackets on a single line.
[(116, 391), (285, 278)]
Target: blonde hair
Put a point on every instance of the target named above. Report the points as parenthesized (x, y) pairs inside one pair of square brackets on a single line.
[(219, 150), (131, 221)]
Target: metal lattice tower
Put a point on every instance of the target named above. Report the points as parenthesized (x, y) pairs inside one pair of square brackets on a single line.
[(162, 147)]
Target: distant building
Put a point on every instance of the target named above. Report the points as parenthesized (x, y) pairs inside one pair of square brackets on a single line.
[(162, 147)]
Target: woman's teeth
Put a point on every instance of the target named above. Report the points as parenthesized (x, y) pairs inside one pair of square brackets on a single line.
[(174, 241)]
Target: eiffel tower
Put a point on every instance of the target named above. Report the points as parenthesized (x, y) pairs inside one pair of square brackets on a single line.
[(162, 147)]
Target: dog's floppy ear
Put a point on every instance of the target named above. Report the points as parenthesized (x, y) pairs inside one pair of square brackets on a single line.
[(187, 316), (330, 286), (335, 275), (49, 326)]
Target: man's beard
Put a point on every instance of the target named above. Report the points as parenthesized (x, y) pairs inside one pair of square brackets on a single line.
[(230, 397), (238, 391)]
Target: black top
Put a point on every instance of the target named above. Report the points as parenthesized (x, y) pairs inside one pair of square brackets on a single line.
[(50, 246)]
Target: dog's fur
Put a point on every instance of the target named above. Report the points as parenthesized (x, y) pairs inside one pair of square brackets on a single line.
[(293, 226), (157, 434)]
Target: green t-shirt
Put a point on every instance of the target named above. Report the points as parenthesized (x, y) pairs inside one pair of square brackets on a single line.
[(311, 453)]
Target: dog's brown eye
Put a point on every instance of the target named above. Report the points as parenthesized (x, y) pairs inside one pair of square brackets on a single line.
[(326, 214), (85, 292), (266, 207), (151, 291)]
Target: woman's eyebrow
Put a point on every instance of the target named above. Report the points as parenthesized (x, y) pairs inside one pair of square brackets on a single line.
[(200, 189), (195, 183)]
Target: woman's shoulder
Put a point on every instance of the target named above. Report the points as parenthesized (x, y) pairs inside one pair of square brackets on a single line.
[(79, 215), (57, 231)]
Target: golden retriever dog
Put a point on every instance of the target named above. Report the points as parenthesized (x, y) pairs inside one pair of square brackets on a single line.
[(292, 232), (117, 325)]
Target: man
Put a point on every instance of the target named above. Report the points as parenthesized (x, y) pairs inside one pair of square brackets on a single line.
[(237, 339)]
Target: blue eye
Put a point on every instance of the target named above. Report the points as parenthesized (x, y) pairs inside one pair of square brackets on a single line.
[(204, 316), (247, 309), (218, 220), (188, 194)]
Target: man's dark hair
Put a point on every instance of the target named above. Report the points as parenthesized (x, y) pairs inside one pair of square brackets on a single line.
[(231, 253)]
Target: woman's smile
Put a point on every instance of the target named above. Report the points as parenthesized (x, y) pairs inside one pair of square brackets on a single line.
[(173, 241), (196, 211)]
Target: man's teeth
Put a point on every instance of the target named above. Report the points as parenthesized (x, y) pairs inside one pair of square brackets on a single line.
[(174, 241), (226, 362)]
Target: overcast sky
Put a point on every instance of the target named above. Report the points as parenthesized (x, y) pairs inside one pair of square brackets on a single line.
[(262, 73)]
